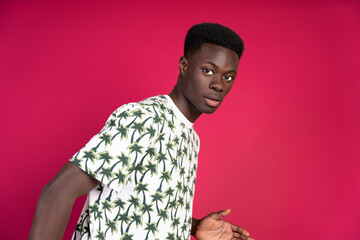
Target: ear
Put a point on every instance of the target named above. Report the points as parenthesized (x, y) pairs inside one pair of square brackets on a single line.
[(183, 63)]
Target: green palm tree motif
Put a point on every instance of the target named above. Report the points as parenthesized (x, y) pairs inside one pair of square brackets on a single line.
[(100, 190), (123, 159), (136, 114), (118, 203), (160, 138), (100, 235), (176, 140), (123, 115), (127, 236), (161, 157), (77, 162), (147, 208), (149, 130), (172, 114), (179, 152), (80, 226), (169, 193), (151, 151), (172, 205), (94, 209), (174, 164), (142, 187), (135, 218), (156, 198), (123, 131), (86, 231), (184, 229), (106, 172), (178, 188), (88, 155), (149, 167), (175, 222), (162, 107), (120, 177), (185, 151), (180, 203), (105, 156), (163, 214), (112, 226), (187, 206), (163, 122), (151, 227), (139, 127), (158, 121), (170, 236), (182, 173), (104, 138), (134, 201), (185, 190), (124, 218), (136, 168), (164, 176), (135, 147), (106, 206), (111, 123), (183, 136)]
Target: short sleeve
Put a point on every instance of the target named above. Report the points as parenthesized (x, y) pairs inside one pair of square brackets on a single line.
[(109, 154)]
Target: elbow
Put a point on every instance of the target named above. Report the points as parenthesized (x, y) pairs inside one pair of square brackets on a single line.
[(55, 191)]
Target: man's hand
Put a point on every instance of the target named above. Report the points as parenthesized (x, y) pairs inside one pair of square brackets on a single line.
[(213, 227)]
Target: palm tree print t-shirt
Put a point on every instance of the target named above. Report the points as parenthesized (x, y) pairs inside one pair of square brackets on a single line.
[(145, 159)]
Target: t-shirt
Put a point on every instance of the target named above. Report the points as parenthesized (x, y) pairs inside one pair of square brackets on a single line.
[(145, 159)]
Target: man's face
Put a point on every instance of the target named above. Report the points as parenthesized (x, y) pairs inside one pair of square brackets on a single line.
[(207, 76)]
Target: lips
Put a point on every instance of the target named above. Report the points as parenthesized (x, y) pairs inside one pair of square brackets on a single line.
[(212, 101)]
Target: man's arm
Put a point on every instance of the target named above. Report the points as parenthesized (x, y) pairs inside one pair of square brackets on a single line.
[(213, 227), (57, 198)]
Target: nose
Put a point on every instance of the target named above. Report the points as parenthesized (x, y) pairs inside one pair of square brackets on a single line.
[(217, 84)]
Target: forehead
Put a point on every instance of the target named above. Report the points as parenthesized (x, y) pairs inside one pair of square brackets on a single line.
[(220, 56)]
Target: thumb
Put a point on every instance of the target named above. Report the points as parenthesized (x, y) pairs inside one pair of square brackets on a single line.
[(223, 213)]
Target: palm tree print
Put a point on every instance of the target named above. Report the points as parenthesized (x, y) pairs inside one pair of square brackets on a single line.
[(150, 227), (147, 208), (145, 159)]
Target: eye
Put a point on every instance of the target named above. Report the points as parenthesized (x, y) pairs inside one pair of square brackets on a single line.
[(228, 78), (208, 72)]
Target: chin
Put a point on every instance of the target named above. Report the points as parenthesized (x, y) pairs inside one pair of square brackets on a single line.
[(209, 111)]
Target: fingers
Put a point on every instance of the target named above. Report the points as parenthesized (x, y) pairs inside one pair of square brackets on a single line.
[(240, 233), (242, 238), (220, 214), (237, 235), (240, 230)]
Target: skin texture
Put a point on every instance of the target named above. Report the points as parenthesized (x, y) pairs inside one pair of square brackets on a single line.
[(205, 78)]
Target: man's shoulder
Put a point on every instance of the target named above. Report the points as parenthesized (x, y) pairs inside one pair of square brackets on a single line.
[(148, 106)]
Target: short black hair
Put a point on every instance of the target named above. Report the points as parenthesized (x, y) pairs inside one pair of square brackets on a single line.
[(213, 33)]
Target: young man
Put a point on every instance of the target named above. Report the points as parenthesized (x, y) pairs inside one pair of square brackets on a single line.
[(139, 171)]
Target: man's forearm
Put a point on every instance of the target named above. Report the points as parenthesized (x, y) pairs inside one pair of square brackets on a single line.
[(52, 213)]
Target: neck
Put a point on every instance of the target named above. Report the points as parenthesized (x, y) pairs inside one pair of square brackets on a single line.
[(184, 105)]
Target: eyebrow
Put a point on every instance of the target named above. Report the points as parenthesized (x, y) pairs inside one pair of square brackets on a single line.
[(215, 66)]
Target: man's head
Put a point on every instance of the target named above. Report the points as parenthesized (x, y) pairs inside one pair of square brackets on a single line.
[(207, 69)]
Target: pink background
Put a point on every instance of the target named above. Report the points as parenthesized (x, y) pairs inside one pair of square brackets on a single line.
[(283, 151)]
